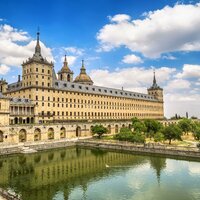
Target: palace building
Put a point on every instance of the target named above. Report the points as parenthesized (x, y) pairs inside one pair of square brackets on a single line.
[(41, 96)]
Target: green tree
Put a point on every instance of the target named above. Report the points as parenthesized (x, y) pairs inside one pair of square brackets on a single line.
[(139, 126), (185, 125), (99, 130), (135, 119), (152, 127), (126, 134), (196, 132), (172, 132), (138, 137), (158, 137)]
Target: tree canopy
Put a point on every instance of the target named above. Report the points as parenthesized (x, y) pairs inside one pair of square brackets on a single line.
[(99, 130), (185, 125), (172, 132)]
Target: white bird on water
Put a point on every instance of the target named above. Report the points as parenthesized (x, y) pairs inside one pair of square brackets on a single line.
[(107, 166)]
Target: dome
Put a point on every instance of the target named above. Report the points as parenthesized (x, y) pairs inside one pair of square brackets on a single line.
[(83, 78), (65, 68)]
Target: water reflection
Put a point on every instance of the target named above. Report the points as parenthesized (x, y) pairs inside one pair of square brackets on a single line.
[(82, 174), (158, 164)]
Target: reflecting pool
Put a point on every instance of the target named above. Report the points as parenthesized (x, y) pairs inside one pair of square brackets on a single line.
[(89, 174)]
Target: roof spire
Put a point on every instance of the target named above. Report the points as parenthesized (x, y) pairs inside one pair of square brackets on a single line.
[(83, 64), (154, 77), (83, 70), (65, 58), (37, 48)]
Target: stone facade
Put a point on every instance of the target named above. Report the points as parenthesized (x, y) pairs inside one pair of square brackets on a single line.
[(40, 97)]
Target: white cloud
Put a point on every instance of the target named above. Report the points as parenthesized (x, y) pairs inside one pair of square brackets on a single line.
[(130, 78), (132, 59), (190, 71), (119, 18), (178, 84), (169, 57), (4, 69), (70, 59), (176, 28), (74, 50), (12, 52)]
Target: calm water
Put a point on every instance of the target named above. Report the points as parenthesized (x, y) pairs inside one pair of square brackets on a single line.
[(80, 174)]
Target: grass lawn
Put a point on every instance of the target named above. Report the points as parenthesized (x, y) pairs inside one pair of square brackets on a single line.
[(188, 140)]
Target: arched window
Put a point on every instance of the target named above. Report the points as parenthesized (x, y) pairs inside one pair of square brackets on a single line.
[(22, 135), (1, 136), (63, 132), (37, 134), (78, 131), (50, 133)]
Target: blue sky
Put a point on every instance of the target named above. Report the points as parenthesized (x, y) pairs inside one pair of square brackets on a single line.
[(120, 40)]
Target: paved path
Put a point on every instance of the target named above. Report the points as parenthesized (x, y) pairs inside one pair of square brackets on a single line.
[(1, 198)]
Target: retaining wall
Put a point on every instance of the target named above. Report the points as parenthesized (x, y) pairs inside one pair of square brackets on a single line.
[(140, 148)]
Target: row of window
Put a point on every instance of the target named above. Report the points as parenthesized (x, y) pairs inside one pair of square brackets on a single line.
[(29, 70), (135, 107), (90, 102), (95, 114), (79, 94), (36, 83), (36, 76)]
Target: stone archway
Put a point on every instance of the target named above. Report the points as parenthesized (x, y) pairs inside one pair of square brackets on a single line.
[(116, 128), (20, 120), (63, 132), (50, 133), (27, 120), (109, 129), (32, 120), (37, 134), (15, 120), (78, 131), (22, 135), (1, 136), (123, 125)]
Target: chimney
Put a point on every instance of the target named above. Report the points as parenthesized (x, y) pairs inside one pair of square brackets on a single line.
[(18, 78)]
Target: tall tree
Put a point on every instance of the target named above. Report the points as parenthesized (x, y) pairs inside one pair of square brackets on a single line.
[(172, 132), (185, 125), (153, 126)]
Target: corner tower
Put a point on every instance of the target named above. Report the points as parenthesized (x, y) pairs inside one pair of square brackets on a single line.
[(65, 74), (37, 71), (155, 90)]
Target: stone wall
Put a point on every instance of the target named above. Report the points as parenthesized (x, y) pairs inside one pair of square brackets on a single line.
[(22, 134), (192, 153)]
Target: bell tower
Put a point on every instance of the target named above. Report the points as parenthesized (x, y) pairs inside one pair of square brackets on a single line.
[(65, 74), (37, 71), (155, 90)]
